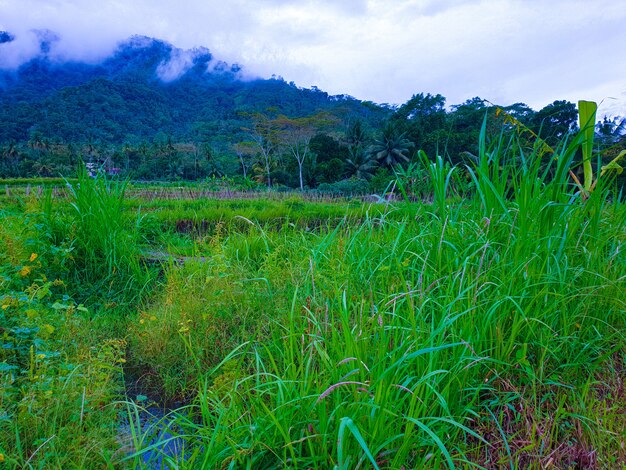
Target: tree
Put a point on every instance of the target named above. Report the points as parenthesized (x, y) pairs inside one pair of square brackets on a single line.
[(422, 118), (360, 164), (356, 136), (264, 133), (465, 122), (330, 156), (212, 164), (554, 121), (611, 130), (245, 153), (10, 158), (392, 148), (521, 112), (296, 134)]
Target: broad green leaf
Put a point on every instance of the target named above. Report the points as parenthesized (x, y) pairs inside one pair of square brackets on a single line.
[(587, 120)]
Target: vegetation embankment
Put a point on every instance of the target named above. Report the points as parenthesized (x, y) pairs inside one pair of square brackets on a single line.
[(485, 330)]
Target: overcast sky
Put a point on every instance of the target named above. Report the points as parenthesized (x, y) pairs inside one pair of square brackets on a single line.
[(506, 51)]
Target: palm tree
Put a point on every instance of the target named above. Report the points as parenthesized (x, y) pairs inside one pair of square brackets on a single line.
[(392, 148), (360, 165), (611, 130)]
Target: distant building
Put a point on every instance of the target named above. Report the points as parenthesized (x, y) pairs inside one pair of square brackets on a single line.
[(102, 166), (93, 169)]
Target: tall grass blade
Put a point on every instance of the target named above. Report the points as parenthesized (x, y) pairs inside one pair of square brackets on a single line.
[(587, 120)]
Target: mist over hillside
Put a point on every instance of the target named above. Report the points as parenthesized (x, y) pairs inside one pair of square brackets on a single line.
[(146, 88), (151, 110)]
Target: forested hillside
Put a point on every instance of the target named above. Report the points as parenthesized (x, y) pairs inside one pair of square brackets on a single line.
[(152, 111)]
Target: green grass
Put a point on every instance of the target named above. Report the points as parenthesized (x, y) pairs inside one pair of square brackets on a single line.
[(60, 363), (484, 332), (418, 332)]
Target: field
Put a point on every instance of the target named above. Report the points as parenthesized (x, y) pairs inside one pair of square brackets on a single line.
[(481, 327)]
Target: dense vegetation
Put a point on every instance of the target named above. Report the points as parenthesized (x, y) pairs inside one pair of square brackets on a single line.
[(481, 326), (470, 313), (154, 112)]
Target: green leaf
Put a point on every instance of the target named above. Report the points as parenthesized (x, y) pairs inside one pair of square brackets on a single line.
[(587, 120), (4, 367), (348, 423), (435, 438)]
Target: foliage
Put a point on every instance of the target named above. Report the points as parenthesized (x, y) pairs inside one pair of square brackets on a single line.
[(348, 187), (392, 148), (105, 242), (445, 326), (124, 117), (301, 331), (59, 370), (360, 164), (587, 115)]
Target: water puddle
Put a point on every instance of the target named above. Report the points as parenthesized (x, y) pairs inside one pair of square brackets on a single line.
[(147, 429), (146, 432)]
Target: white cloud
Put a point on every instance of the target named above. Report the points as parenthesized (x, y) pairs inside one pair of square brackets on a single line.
[(502, 50), (18, 51)]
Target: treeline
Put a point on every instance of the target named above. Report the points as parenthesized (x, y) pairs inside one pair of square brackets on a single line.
[(135, 116), (321, 150)]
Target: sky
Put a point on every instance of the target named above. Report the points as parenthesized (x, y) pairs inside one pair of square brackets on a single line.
[(505, 51)]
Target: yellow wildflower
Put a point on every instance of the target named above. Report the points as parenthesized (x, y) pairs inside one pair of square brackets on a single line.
[(25, 271), (1, 458), (33, 257)]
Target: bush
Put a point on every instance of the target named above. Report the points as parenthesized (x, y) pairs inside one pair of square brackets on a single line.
[(349, 187)]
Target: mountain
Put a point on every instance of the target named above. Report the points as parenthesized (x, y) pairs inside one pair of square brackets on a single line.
[(146, 90)]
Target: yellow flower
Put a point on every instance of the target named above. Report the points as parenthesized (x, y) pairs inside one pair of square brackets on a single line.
[(141, 321), (33, 257), (1, 458), (25, 271)]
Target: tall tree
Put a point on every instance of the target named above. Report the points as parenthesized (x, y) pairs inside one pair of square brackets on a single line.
[(356, 136), (329, 158), (360, 164), (611, 130), (392, 148), (422, 119), (264, 133), (245, 153), (296, 134), (554, 121), (464, 122)]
